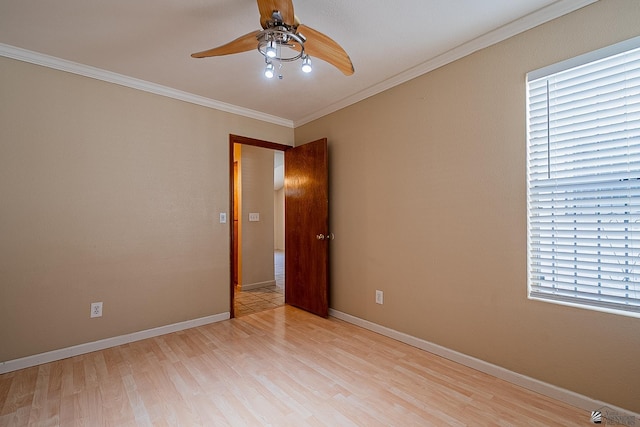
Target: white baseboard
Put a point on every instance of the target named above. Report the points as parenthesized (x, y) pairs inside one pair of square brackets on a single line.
[(257, 285), (529, 383), (63, 353)]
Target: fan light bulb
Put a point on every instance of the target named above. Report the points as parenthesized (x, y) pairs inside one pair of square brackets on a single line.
[(306, 64), (270, 71), (271, 49)]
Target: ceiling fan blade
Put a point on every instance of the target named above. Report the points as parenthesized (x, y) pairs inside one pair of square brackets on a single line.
[(241, 44), (267, 7), (320, 46)]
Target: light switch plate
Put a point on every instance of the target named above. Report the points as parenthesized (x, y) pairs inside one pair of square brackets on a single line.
[(223, 217), (254, 216)]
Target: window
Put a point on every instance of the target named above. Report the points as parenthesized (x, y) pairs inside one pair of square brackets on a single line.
[(583, 181)]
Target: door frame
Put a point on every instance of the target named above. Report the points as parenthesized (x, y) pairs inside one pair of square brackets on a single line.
[(237, 139)]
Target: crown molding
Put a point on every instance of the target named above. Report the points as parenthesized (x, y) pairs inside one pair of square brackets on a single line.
[(553, 11), (122, 80)]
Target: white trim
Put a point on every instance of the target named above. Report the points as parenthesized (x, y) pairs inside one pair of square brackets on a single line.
[(63, 353), (555, 10), (122, 80), (524, 381), (511, 29), (257, 285)]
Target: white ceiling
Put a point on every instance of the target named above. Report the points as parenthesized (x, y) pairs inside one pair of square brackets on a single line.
[(151, 40)]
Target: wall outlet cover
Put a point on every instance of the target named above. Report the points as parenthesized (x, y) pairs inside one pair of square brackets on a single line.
[(96, 309)]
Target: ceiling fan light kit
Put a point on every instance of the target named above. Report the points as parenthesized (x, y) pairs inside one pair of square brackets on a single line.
[(306, 64), (271, 41), (269, 71), (281, 40)]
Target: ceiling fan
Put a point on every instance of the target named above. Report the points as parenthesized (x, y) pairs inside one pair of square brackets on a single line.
[(283, 39)]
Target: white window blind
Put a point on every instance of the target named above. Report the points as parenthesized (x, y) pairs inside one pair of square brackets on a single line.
[(584, 182)]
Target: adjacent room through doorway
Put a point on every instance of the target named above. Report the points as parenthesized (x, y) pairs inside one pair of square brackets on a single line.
[(258, 229), (305, 229)]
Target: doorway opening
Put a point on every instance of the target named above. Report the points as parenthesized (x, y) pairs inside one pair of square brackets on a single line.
[(257, 231)]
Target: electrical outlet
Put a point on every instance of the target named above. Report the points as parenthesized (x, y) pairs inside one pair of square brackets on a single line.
[(96, 309), (379, 297)]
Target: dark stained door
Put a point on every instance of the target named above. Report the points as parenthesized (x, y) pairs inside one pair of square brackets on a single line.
[(307, 227)]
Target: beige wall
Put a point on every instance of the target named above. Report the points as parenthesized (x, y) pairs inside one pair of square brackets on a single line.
[(257, 236), (109, 194), (428, 204)]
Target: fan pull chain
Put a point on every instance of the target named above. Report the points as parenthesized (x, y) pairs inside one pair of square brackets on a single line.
[(279, 61)]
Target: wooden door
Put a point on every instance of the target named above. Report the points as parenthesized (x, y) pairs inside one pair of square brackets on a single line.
[(307, 227)]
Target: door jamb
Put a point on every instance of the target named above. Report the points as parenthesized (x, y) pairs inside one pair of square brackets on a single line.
[(236, 139)]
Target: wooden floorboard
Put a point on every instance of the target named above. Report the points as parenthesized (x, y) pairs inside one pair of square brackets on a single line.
[(281, 367)]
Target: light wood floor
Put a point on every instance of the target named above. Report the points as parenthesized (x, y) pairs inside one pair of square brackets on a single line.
[(281, 367)]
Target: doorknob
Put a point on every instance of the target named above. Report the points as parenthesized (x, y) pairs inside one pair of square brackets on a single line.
[(328, 236)]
